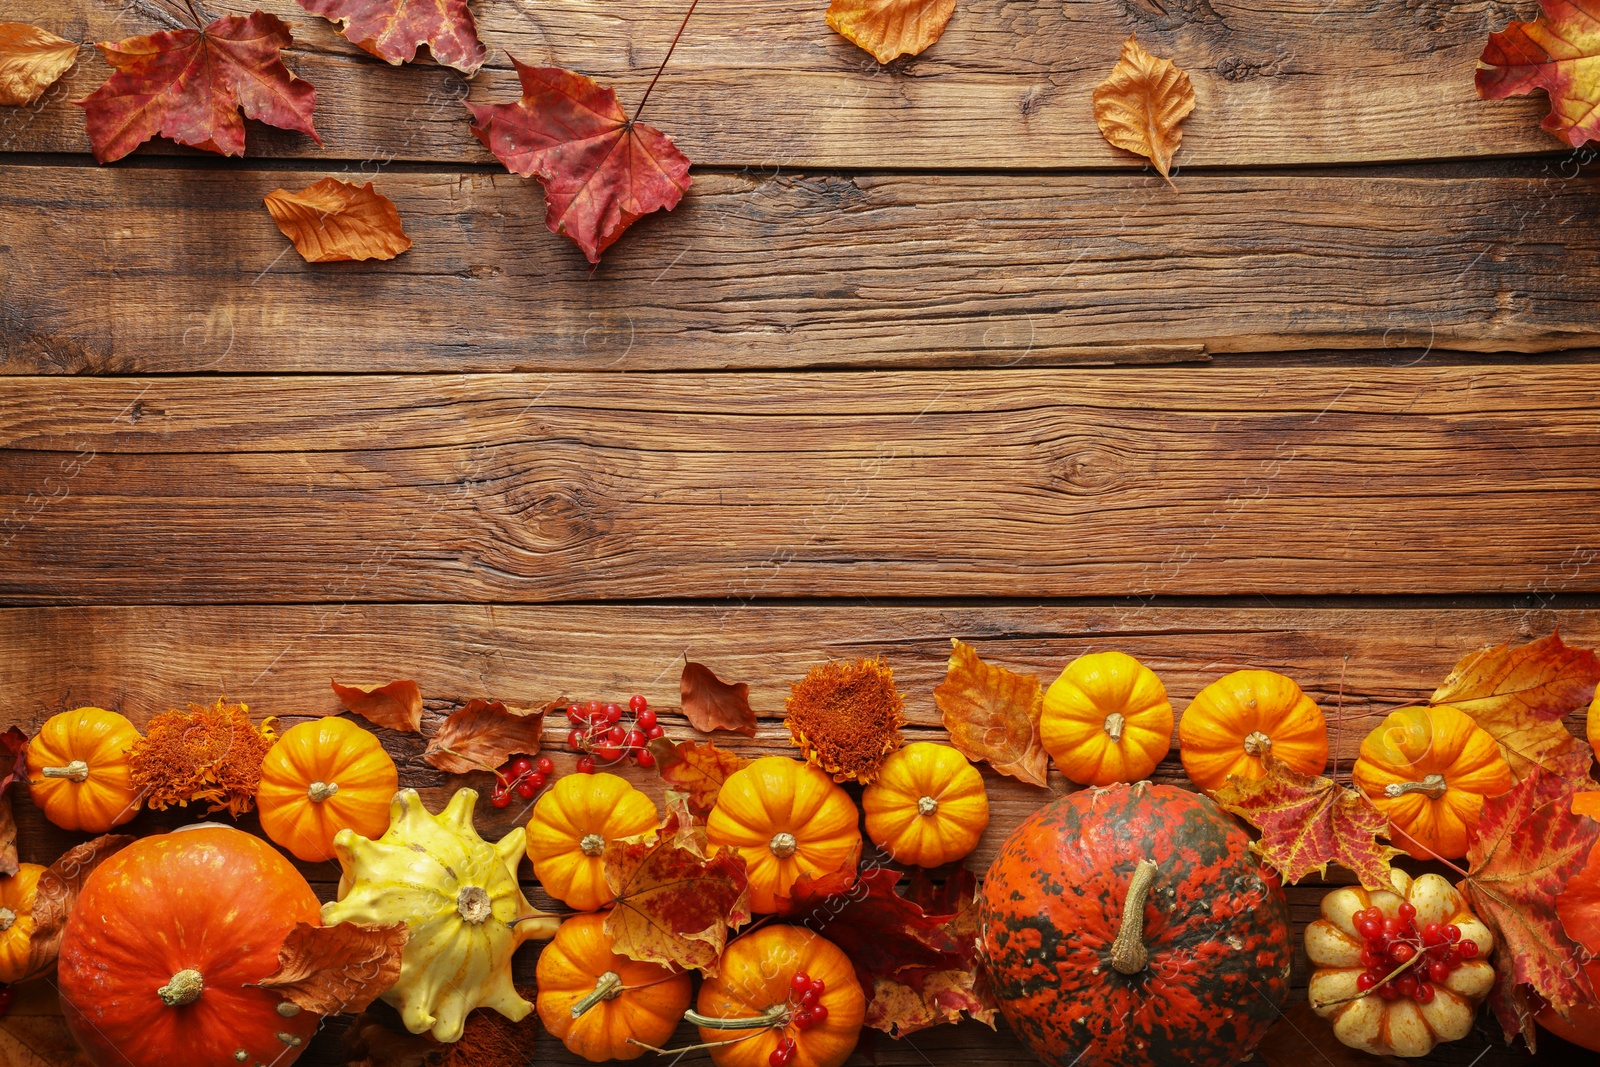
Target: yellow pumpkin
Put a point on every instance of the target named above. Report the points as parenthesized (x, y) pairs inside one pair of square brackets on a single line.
[(1238, 719), (569, 828), (1430, 770), (78, 770), (16, 920), (321, 777), (601, 1005), (928, 806), (786, 818), (1404, 1025), (1106, 719)]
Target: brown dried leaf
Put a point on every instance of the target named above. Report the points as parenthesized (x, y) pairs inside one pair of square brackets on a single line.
[(699, 769), (890, 28), (338, 968), (486, 733), (1141, 104), (331, 221), (58, 891), (396, 705), (993, 715), (710, 704), (31, 60)]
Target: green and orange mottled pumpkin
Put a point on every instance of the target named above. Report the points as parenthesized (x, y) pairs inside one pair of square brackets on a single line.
[(1131, 926)]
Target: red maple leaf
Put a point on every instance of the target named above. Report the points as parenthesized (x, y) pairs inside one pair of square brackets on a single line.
[(393, 30), (600, 169), (1558, 52), (190, 85)]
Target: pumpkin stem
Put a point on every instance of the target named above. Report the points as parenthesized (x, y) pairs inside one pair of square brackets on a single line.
[(76, 771), (1114, 727), (1128, 954), (927, 806), (775, 1016), (1257, 744), (183, 988), (320, 791), (1433, 786), (783, 844), (608, 987), (473, 904), (592, 844)]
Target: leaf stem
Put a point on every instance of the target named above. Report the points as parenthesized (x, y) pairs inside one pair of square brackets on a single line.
[(647, 90)]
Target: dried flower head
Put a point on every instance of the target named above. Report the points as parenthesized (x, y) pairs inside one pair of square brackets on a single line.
[(846, 717), (212, 754)]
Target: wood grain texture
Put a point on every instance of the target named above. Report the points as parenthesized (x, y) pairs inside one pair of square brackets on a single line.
[(1008, 85), (1215, 480), (183, 271)]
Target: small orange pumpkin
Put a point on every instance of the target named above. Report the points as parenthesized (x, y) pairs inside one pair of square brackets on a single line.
[(1430, 769), (786, 818), (16, 920), (321, 777), (1239, 718), (1106, 719), (569, 828), (603, 1006), (753, 991), (78, 770), (928, 806)]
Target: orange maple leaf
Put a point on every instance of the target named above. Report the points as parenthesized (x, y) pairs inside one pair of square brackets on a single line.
[(993, 715), (1558, 52), (331, 221), (31, 59), (697, 769), (890, 28), (1141, 104)]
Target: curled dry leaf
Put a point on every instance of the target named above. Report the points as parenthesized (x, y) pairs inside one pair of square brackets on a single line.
[(331, 221), (190, 85), (338, 968), (1558, 52), (1140, 106), (31, 59), (14, 764), (393, 30), (397, 705), (696, 768), (710, 704), (58, 891), (890, 28), (486, 733), (993, 715), (600, 170)]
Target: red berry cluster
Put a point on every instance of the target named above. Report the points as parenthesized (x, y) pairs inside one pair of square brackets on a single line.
[(598, 732), (805, 994), (522, 776), (1395, 942)]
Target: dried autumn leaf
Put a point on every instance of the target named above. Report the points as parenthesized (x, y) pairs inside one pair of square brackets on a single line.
[(338, 968), (1307, 822), (710, 704), (377, 1038), (31, 59), (393, 30), (1519, 696), (14, 764), (486, 733), (1558, 52), (1139, 107), (699, 769), (58, 891), (993, 715), (331, 221), (397, 705), (190, 85), (890, 28), (600, 170), (1302, 1038), (33, 1032), (1527, 845)]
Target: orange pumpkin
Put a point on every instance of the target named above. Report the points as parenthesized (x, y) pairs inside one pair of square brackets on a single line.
[(321, 777), (601, 1005), (569, 828), (78, 770), (928, 806), (1236, 720), (1592, 722), (786, 818), (1106, 719), (753, 990), (16, 920), (1578, 905), (1429, 770)]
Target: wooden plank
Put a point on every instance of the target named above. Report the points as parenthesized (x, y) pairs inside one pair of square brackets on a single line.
[(1307, 81), (1042, 483), (138, 270)]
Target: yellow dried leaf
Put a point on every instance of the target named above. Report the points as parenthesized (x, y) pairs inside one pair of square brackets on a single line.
[(31, 60), (331, 221), (1141, 104), (890, 28)]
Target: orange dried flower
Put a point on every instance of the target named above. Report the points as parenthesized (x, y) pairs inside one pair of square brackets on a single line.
[(206, 753), (846, 717)]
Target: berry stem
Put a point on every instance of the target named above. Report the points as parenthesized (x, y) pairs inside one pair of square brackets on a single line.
[(670, 48)]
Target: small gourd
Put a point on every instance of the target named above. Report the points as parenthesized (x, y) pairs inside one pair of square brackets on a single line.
[(569, 829), (16, 920), (928, 806), (1233, 723), (78, 770), (460, 897), (321, 777), (1106, 719)]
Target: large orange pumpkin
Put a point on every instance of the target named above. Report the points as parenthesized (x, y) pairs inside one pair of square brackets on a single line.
[(1579, 909), (161, 950)]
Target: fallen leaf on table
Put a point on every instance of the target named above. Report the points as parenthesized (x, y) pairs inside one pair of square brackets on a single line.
[(1558, 52), (486, 733), (710, 704), (1141, 104), (396, 705), (890, 28), (31, 59), (331, 221), (338, 968), (393, 30), (993, 715), (14, 764), (1520, 694), (58, 891), (600, 170), (697, 768), (190, 85), (1308, 821), (1302, 1038)]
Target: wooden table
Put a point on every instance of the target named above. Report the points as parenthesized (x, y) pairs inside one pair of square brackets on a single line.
[(919, 356)]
